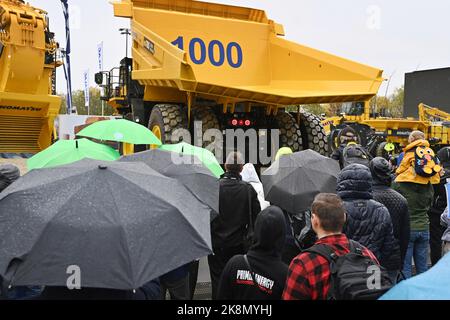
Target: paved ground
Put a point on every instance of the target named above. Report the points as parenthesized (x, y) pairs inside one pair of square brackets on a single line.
[(203, 289), (203, 271)]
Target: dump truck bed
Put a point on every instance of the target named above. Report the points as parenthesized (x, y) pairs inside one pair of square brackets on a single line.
[(235, 54)]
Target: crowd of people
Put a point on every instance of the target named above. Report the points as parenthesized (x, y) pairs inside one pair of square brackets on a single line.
[(386, 209), (384, 214)]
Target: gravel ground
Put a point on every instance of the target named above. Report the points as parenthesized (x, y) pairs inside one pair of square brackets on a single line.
[(21, 163)]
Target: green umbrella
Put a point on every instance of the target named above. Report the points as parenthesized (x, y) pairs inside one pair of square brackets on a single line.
[(205, 156), (121, 131), (69, 151)]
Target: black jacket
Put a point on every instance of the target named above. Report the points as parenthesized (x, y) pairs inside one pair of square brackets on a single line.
[(368, 221), (338, 154), (265, 261), (398, 209), (229, 228), (440, 195)]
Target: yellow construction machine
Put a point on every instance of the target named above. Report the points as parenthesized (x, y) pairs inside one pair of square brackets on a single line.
[(228, 67), (28, 104), (386, 136)]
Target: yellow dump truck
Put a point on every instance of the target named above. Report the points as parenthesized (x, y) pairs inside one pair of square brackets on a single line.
[(28, 104), (228, 67)]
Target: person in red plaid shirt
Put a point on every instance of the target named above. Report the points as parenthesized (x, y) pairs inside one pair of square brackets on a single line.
[(309, 273)]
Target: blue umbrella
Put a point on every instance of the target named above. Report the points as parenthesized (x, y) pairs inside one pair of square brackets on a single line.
[(431, 285)]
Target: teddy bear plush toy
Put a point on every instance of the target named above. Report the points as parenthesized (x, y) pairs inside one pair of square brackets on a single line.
[(426, 162)]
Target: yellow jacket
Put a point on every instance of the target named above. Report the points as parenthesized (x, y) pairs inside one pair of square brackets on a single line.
[(406, 172)]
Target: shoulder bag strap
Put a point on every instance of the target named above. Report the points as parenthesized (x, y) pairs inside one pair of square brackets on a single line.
[(322, 250), (252, 273), (355, 247)]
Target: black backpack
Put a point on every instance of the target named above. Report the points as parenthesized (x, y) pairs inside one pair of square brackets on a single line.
[(355, 153), (426, 164), (350, 277)]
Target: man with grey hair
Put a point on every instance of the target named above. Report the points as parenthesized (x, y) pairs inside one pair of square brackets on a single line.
[(237, 201), (415, 136)]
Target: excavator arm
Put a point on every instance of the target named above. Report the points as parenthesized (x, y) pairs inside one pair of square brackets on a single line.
[(427, 113)]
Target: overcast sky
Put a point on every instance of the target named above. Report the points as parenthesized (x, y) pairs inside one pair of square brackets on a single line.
[(397, 36)]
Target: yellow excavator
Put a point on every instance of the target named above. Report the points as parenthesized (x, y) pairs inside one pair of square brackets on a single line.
[(227, 67), (387, 136), (28, 101)]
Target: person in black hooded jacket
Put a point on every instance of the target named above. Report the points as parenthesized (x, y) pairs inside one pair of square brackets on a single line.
[(264, 277), (368, 221), (237, 200), (396, 204)]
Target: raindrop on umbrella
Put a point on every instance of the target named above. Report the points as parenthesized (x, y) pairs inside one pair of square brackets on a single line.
[(118, 136)]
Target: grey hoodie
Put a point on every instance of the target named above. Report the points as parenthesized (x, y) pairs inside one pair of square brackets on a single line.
[(445, 221)]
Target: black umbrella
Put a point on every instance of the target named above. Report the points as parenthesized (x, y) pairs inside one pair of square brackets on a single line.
[(121, 224), (294, 180), (187, 169)]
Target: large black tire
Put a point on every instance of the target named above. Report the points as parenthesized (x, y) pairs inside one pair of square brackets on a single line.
[(333, 142), (167, 118), (313, 134), (290, 134), (208, 118)]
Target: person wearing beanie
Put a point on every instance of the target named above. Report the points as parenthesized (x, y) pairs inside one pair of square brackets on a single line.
[(368, 221), (395, 203), (8, 174)]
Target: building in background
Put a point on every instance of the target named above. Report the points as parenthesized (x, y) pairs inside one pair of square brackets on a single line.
[(67, 126)]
